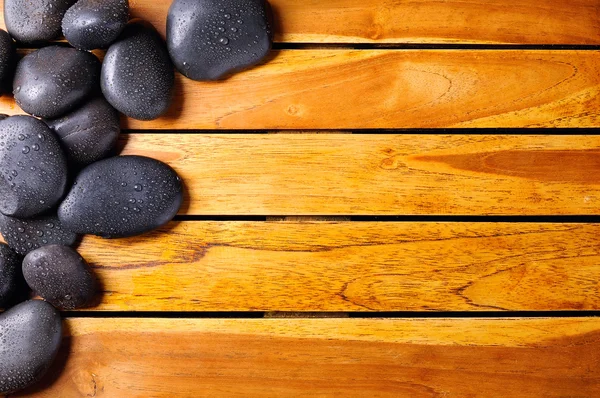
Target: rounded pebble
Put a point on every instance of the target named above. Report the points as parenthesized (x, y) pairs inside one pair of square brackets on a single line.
[(210, 39), (137, 74), (91, 24), (30, 334), (34, 21), (25, 235), (61, 276), (9, 274), (53, 80), (122, 196), (89, 133), (33, 167), (8, 58)]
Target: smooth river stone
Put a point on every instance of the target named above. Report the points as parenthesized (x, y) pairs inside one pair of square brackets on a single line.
[(8, 59), (122, 196), (89, 133), (61, 276), (33, 167), (137, 74), (10, 269), (91, 24), (53, 80), (34, 21), (210, 39), (25, 235), (31, 334)]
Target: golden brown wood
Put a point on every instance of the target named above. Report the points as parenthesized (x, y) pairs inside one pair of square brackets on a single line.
[(342, 174), (420, 21), (327, 357), (350, 89), (350, 266)]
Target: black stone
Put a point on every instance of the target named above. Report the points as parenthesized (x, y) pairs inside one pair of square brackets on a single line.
[(137, 74), (8, 59), (89, 133), (209, 39), (10, 264), (31, 334), (61, 276), (34, 21), (33, 167), (91, 24), (53, 80), (122, 196), (25, 235)]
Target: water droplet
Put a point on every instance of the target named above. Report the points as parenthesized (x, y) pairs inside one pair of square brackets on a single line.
[(21, 229), (123, 184), (224, 40), (25, 149), (234, 29), (227, 16), (35, 147), (17, 89), (138, 187)]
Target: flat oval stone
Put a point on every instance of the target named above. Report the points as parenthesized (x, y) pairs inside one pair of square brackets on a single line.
[(122, 196), (8, 58), (210, 39), (91, 24), (60, 276), (33, 167), (89, 133), (33, 21), (25, 235), (53, 80), (10, 264), (31, 334), (137, 74)]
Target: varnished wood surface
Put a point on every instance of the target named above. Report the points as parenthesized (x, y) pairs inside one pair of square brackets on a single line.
[(354, 89), (420, 21), (350, 266), (396, 174), (328, 357)]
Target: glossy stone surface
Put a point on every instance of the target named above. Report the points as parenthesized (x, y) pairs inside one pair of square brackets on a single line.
[(137, 74), (34, 21), (210, 39), (31, 334), (33, 167), (61, 276), (8, 59), (10, 269), (91, 24), (25, 235), (53, 80)]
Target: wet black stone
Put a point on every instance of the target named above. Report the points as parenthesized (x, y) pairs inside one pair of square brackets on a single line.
[(89, 133), (31, 334), (10, 264), (53, 80), (122, 196), (209, 39), (137, 74), (8, 59), (33, 21), (61, 276), (25, 235), (33, 167), (91, 24)]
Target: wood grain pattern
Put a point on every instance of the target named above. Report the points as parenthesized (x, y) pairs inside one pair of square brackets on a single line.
[(350, 89), (351, 174), (327, 357), (419, 21), (350, 266)]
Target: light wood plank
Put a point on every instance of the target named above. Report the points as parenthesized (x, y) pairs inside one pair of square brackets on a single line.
[(420, 21), (350, 266), (327, 357), (351, 89), (346, 174)]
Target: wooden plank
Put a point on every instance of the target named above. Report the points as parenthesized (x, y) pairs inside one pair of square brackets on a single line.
[(350, 89), (420, 21), (327, 357), (350, 266), (348, 174)]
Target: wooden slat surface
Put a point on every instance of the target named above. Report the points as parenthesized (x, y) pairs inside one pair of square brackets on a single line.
[(350, 89), (350, 266), (352, 174), (420, 21), (349, 358)]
